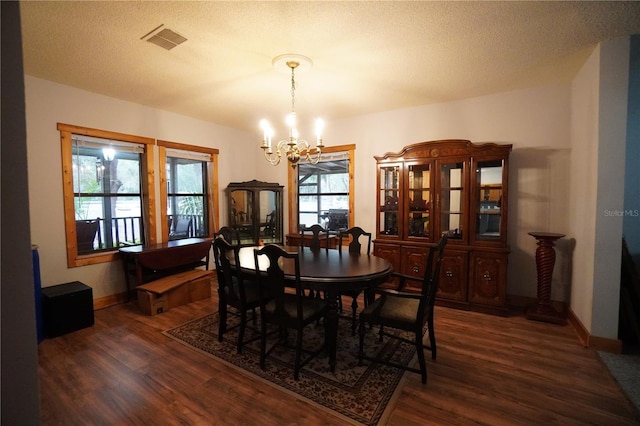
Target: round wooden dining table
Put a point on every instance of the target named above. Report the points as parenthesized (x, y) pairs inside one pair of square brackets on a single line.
[(329, 271)]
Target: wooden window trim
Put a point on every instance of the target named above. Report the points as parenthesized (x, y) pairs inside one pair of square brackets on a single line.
[(212, 180), (293, 186), (148, 198)]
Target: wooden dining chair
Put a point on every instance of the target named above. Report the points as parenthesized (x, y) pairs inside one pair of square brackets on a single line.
[(400, 310), (286, 310), (318, 235), (234, 290), (355, 247)]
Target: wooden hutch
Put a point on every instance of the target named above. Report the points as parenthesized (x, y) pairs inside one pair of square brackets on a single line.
[(255, 211), (452, 186)]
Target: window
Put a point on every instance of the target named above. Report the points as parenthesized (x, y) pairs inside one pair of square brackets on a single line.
[(323, 192), (104, 181), (189, 185)]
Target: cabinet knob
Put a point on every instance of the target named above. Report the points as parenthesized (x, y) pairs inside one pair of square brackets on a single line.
[(449, 274), (416, 269), (487, 276)]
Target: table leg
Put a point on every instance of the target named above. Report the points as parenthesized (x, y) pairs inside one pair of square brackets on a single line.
[(331, 328), (125, 265)]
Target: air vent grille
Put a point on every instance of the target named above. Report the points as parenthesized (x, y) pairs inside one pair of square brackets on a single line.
[(165, 38)]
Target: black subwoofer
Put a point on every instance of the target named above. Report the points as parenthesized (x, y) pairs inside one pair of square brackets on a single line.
[(66, 308)]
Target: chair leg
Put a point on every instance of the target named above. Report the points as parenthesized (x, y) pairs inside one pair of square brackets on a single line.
[(243, 325), (354, 315), (263, 343), (420, 352), (432, 339), (222, 326), (361, 346), (380, 334), (296, 367)]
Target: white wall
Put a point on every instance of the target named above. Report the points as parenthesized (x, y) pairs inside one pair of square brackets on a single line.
[(583, 183), (612, 139), (49, 103), (552, 180), (598, 137), (535, 121)]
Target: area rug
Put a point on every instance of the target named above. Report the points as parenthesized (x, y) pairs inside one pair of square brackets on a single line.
[(361, 395)]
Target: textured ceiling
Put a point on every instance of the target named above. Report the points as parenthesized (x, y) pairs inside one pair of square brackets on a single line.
[(368, 56)]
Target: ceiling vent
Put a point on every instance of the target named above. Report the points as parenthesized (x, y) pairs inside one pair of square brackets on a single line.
[(165, 38)]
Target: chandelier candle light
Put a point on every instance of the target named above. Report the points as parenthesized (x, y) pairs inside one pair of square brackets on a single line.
[(293, 148)]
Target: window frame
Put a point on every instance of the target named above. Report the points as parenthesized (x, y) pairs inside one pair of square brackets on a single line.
[(293, 185), (213, 204), (147, 191)]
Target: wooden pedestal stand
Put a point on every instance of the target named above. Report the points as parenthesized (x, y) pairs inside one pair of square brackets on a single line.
[(545, 260)]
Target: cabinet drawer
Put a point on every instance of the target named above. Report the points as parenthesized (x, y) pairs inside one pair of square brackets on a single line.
[(488, 279)]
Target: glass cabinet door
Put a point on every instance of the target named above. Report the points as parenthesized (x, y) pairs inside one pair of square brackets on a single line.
[(488, 199), (451, 199), (419, 201), (389, 197), (241, 214), (269, 217)]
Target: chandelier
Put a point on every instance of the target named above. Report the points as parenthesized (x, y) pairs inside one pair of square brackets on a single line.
[(292, 148)]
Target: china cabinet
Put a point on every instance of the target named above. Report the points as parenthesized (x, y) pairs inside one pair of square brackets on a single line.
[(452, 186), (255, 211)]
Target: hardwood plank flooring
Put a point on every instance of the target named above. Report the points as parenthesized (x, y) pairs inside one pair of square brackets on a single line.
[(490, 371)]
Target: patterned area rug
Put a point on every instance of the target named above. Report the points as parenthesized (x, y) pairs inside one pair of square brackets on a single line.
[(362, 395)]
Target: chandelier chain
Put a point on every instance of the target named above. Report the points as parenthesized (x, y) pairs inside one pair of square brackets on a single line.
[(293, 90), (291, 148)]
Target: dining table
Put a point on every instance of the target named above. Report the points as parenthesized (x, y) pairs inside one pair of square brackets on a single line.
[(331, 272)]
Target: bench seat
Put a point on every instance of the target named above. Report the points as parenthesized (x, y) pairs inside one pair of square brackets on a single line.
[(174, 290)]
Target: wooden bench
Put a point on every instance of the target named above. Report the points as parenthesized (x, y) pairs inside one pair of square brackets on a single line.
[(179, 289)]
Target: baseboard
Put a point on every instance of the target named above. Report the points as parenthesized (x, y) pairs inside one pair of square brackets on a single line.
[(581, 331), (605, 344), (518, 303), (111, 300), (593, 342)]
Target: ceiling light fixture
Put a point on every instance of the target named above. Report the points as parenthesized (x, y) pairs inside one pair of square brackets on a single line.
[(293, 148)]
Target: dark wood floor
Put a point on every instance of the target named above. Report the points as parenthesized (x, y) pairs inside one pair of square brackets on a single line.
[(490, 370)]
